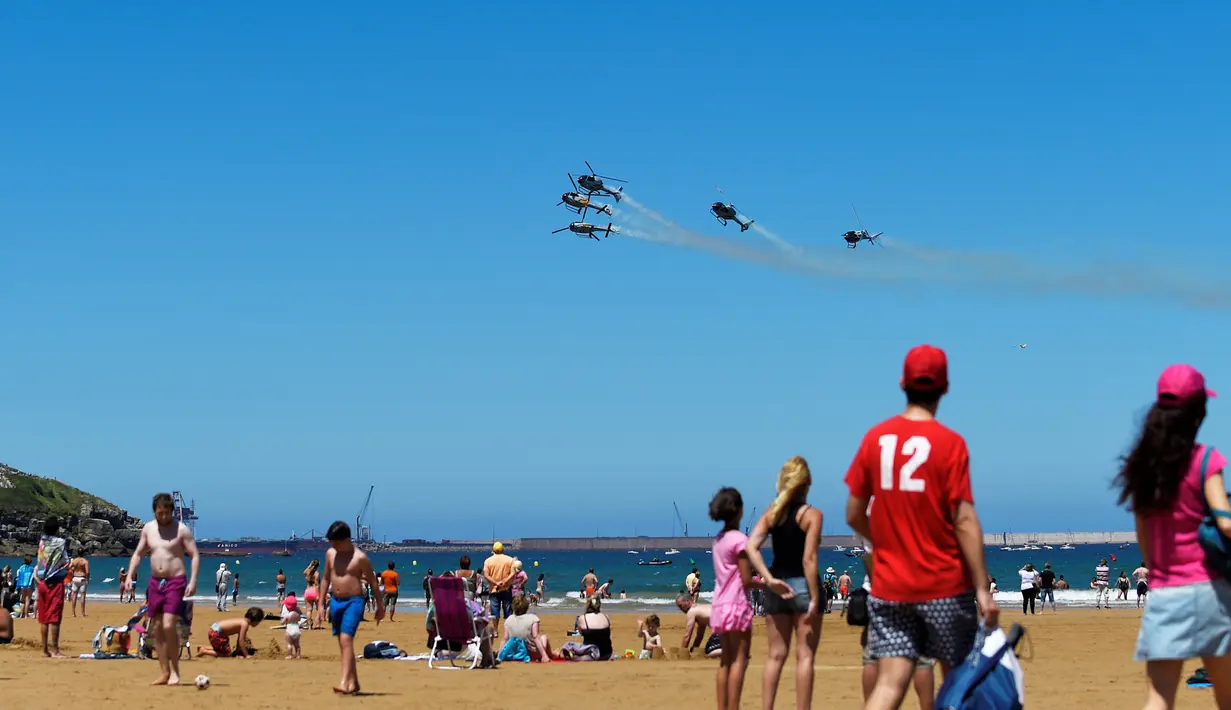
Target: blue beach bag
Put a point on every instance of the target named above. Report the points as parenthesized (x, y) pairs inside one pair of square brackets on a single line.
[(990, 678), (1217, 547)]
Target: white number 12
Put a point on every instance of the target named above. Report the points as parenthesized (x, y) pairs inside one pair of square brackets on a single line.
[(917, 448)]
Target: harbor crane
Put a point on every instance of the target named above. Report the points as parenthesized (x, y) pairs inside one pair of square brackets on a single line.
[(680, 518), (363, 533)]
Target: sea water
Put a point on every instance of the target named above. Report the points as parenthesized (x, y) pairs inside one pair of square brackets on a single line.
[(647, 588)]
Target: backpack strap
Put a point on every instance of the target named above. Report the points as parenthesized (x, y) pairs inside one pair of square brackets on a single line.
[(1205, 462)]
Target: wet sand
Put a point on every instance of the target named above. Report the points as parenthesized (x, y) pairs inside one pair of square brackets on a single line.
[(1078, 658)]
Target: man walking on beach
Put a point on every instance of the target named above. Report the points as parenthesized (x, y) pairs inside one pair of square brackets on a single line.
[(167, 541), (923, 526), (51, 571)]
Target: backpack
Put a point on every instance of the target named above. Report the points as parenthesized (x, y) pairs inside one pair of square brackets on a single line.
[(380, 649), (857, 607), (990, 678)]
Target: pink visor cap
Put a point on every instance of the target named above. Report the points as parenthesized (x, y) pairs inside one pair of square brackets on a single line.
[(1180, 383)]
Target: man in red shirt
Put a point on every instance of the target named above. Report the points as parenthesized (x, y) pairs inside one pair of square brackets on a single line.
[(928, 568)]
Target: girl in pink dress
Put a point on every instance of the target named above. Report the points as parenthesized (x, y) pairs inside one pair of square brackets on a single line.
[(731, 616)]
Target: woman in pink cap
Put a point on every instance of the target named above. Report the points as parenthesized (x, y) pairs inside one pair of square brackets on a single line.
[(1169, 480)]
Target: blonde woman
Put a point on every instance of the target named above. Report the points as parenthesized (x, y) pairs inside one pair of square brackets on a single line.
[(793, 594)]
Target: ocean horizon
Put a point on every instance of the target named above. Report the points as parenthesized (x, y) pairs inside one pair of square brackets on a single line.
[(648, 588)]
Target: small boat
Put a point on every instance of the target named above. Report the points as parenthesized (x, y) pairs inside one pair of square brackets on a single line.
[(672, 551), (839, 548), (654, 562), (281, 553), (224, 553), (1006, 548), (855, 552), (1067, 546)]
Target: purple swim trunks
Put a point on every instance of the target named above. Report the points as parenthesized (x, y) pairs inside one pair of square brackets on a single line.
[(166, 596)]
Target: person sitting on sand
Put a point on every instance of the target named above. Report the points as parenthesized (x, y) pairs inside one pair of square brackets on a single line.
[(221, 632), (698, 616), (650, 638), (7, 600), (526, 627), (595, 628)]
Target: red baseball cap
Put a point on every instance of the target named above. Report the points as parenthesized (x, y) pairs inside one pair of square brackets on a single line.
[(1181, 383), (926, 368)]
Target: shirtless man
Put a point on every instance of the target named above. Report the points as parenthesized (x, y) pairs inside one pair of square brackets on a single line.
[(167, 541), (589, 584), (79, 572), (281, 580), (347, 568), (698, 620)]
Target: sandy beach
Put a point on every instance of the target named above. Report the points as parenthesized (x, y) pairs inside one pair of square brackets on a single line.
[(1079, 658)]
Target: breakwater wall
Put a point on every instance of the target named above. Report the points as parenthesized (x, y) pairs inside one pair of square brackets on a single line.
[(1080, 538), (657, 545)]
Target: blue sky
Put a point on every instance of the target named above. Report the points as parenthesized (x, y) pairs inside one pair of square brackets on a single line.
[(270, 254)]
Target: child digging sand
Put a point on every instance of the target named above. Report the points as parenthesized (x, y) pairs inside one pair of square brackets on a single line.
[(220, 635), (648, 631), (346, 569)]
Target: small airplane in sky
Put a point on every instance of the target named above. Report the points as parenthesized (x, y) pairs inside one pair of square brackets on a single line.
[(584, 229)]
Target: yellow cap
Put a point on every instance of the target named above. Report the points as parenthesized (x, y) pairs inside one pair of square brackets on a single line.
[(498, 547)]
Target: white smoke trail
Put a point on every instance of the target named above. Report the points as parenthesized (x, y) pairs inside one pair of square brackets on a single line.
[(905, 263), (776, 240)]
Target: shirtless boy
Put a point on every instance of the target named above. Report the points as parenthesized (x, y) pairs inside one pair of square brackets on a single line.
[(220, 634), (347, 568), (79, 572), (167, 541)]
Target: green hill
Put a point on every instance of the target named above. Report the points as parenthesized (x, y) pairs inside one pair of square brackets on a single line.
[(21, 492)]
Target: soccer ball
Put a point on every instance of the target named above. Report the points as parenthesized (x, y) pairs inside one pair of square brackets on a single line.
[(202, 682)]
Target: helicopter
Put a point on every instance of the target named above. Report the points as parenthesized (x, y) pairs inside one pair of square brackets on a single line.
[(727, 212), (593, 183), (580, 204), (854, 236), (585, 229)]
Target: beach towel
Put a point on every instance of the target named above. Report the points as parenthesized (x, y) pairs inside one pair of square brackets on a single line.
[(100, 656), (515, 650), (52, 564), (990, 678)]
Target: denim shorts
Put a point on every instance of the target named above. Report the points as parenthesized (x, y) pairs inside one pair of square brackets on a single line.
[(1047, 595), (775, 604), (1191, 621)]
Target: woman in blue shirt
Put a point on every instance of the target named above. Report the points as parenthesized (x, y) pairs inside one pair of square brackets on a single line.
[(25, 585)]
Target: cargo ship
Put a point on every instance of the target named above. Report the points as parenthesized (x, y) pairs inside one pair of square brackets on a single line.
[(244, 546)]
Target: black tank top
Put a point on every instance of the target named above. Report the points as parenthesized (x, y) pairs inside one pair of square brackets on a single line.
[(788, 541)]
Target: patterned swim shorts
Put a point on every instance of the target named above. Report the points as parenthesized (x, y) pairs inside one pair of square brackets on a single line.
[(943, 629)]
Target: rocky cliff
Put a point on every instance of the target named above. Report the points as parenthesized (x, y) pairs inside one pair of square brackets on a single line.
[(93, 526)]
